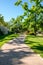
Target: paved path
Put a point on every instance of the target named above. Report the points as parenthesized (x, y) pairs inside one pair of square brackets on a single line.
[(17, 53)]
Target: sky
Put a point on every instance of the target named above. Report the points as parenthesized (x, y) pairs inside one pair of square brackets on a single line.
[(9, 10)]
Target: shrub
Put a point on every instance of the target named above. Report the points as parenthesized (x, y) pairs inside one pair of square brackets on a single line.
[(1, 33)]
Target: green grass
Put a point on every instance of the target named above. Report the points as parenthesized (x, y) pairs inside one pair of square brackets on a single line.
[(35, 43), (4, 39)]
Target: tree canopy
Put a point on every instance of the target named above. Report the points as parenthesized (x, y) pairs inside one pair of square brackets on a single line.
[(33, 14)]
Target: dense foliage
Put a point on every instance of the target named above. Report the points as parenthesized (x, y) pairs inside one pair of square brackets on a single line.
[(34, 15), (31, 20)]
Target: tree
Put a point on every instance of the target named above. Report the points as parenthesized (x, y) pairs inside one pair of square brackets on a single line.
[(1, 20), (41, 21), (33, 13), (16, 24)]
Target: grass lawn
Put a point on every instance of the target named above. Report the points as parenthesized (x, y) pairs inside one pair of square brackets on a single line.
[(35, 43), (4, 39)]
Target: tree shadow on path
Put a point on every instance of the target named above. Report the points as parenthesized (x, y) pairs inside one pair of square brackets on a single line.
[(13, 56)]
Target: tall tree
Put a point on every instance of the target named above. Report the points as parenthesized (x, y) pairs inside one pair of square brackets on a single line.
[(1, 20), (16, 24), (33, 13)]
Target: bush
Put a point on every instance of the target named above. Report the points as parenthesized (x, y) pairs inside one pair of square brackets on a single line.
[(1, 33)]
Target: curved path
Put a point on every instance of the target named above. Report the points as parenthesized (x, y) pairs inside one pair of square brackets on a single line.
[(17, 53)]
